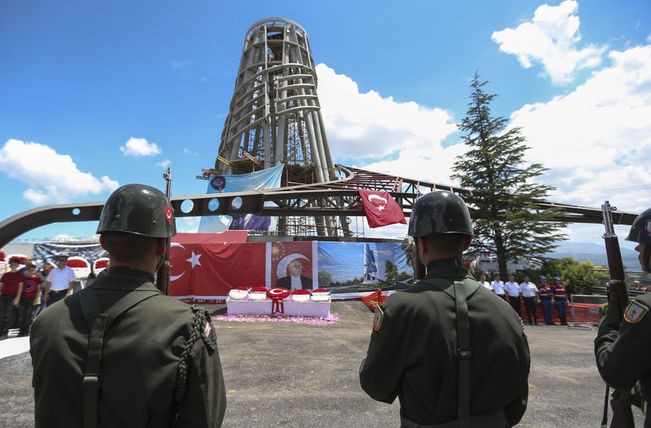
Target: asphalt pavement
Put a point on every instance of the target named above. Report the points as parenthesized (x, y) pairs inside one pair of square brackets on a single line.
[(305, 375)]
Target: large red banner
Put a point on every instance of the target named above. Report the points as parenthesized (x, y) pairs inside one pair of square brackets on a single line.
[(202, 269)]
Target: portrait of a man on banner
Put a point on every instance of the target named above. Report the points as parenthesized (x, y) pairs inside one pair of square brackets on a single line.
[(291, 265)]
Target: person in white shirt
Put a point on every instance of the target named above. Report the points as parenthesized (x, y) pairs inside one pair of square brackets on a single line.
[(486, 284), (59, 282), (529, 293), (513, 292), (498, 286)]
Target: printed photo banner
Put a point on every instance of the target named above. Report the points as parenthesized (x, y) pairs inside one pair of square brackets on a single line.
[(205, 270), (268, 178)]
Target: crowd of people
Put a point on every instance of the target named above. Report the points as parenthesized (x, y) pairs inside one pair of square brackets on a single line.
[(26, 291), (529, 295)]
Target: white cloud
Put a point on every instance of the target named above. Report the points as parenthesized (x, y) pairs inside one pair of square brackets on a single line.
[(51, 177), (597, 139), (139, 147), (552, 39), (371, 127), (164, 164)]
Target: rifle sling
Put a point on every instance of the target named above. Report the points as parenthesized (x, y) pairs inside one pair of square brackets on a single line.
[(460, 292), (99, 321)]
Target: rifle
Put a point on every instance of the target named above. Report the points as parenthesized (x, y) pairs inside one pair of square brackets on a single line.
[(621, 399), (163, 274)]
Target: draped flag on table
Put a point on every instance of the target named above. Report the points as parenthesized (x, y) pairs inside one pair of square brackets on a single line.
[(380, 208)]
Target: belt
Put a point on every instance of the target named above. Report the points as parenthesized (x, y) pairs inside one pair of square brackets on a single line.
[(493, 420), (59, 291)]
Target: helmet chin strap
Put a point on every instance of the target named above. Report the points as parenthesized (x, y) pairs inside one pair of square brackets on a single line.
[(646, 259)]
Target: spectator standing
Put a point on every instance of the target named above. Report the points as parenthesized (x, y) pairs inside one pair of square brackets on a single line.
[(512, 290), (498, 286), (486, 284), (529, 293), (467, 361), (60, 281), (31, 287), (560, 299), (11, 285), (545, 294)]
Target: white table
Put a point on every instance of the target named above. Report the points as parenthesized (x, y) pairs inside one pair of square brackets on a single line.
[(291, 308)]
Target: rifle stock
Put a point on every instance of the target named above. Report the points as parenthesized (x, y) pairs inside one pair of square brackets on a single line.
[(163, 274), (621, 399)]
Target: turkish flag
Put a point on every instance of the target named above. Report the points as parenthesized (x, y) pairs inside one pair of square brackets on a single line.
[(210, 270), (380, 208)]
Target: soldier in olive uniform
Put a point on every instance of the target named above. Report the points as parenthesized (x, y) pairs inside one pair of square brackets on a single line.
[(119, 353), (448, 348), (623, 349)]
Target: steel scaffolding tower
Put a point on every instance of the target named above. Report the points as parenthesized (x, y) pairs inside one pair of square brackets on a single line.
[(275, 116)]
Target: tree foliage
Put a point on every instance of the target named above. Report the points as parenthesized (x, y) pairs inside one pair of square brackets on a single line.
[(503, 203), (578, 277), (390, 272), (325, 279)]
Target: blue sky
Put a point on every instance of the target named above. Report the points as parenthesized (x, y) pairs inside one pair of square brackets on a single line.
[(100, 94)]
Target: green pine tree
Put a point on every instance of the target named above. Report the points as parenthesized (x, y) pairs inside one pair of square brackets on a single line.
[(504, 202)]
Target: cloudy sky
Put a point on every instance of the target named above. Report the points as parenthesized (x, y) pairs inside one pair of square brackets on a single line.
[(96, 95)]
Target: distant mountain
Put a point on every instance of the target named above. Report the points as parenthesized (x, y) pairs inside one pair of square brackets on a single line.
[(596, 253)]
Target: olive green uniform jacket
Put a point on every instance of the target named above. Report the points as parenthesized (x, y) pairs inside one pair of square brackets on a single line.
[(140, 366), (623, 350), (412, 353)]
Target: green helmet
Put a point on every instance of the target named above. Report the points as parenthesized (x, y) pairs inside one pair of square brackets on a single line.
[(641, 229), (439, 212), (140, 210)]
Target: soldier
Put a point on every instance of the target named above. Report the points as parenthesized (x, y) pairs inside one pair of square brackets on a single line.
[(119, 353), (447, 339), (545, 295), (560, 299), (623, 349)]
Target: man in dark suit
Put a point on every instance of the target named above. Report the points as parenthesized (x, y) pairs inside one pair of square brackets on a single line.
[(295, 280)]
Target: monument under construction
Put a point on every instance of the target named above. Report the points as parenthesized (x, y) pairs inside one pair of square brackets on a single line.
[(275, 115)]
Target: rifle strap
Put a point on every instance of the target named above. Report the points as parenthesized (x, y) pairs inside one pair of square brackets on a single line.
[(463, 289), (99, 321), (604, 418)]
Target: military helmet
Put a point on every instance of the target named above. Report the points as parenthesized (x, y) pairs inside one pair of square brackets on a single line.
[(140, 210), (439, 212), (641, 229)]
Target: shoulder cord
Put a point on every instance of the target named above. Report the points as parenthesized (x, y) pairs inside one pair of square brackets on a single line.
[(199, 321), (99, 321), (463, 289)]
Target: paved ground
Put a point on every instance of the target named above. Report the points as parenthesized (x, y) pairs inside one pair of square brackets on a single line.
[(293, 375)]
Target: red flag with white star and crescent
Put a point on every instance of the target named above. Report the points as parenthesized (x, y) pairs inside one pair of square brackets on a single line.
[(380, 208)]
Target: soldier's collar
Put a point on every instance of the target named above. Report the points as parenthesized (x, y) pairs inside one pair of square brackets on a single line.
[(120, 270)]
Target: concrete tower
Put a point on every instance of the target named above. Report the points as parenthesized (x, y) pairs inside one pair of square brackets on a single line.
[(274, 114)]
